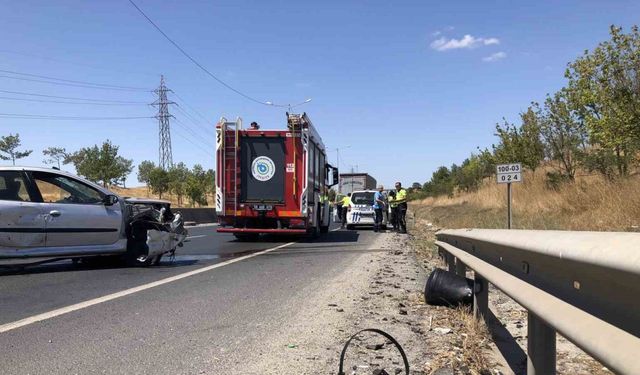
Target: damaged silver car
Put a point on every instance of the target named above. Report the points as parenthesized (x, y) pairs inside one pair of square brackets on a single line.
[(47, 215)]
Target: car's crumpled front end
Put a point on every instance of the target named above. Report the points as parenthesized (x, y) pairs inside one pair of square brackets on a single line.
[(153, 230)]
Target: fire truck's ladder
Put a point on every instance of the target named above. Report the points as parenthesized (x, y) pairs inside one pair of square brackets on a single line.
[(231, 150), (294, 122)]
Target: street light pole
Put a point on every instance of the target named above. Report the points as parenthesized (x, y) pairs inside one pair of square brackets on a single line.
[(338, 159)]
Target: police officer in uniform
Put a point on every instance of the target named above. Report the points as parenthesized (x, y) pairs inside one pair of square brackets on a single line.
[(401, 206), (393, 207), (346, 201)]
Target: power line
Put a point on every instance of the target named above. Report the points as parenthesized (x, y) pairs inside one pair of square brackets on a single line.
[(53, 117), (67, 84), (192, 132), (193, 121), (200, 65), (194, 135), (192, 108), (61, 102), (70, 97), (72, 81), (202, 149), (46, 58)]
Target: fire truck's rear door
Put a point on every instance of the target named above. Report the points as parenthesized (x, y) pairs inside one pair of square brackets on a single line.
[(262, 169)]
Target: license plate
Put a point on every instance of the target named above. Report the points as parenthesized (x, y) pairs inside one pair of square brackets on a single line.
[(263, 207)]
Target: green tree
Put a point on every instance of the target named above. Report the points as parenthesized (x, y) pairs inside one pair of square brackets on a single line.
[(199, 183), (441, 182), (521, 144), (159, 181), (470, 174), (125, 166), (178, 175), (101, 164), (9, 148), (55, 155), (564, 134), (144, 173), (604, 86)]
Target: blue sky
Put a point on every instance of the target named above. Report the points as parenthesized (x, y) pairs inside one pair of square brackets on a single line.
[(409, 85)]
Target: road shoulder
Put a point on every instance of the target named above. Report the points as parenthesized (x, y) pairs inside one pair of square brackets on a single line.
[(380, 289)]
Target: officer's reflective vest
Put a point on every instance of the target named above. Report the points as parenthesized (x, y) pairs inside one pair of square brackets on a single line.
[(392, 202), (401, 197), (346, 201)]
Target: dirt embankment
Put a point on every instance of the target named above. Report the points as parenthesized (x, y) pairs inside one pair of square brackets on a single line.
[(589, 203)]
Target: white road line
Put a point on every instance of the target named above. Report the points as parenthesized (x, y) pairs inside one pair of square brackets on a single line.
[(82, 305), (198, 236)]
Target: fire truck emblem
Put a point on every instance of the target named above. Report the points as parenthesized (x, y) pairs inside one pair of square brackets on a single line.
[(263, 168)]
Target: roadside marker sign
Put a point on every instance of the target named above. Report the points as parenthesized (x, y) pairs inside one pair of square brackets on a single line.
[(508, 174)]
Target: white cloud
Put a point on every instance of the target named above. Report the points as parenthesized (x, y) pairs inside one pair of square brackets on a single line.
[(495, 57), (467, 41), (436, 33)]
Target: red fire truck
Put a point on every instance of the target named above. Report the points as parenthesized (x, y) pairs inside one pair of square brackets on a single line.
[(272, 181)]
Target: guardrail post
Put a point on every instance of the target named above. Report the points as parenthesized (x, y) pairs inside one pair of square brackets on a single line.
[(541, 347), (450, 261), (480, 296), (461, 269)]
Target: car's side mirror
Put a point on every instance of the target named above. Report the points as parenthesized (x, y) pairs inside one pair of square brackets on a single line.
[(110, 200)]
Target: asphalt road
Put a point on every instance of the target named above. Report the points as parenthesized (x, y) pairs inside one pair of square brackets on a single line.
[(215, 319)]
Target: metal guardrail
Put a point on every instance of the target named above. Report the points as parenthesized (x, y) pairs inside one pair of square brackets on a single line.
[(583, 285)]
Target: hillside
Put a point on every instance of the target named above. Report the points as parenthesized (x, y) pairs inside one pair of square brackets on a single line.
[(590, 203)]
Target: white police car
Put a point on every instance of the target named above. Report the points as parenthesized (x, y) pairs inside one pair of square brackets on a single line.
[(360, 211)]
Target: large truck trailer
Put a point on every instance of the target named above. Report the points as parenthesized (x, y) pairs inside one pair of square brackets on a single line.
[(272, 181), (350, 182)]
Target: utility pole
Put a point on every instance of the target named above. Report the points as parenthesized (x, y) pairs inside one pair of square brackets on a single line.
[(165, 157)]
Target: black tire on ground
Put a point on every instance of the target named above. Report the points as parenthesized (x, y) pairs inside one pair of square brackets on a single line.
[(350, 226), (246, 237)]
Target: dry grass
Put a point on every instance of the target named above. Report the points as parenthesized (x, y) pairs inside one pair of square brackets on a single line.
[(590, 203), (469, 344)]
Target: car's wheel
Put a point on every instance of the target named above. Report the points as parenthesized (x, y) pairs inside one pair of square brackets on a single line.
[(137, 254), (350, 226)]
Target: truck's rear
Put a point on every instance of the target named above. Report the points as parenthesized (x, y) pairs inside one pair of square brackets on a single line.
[(271, 181)]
